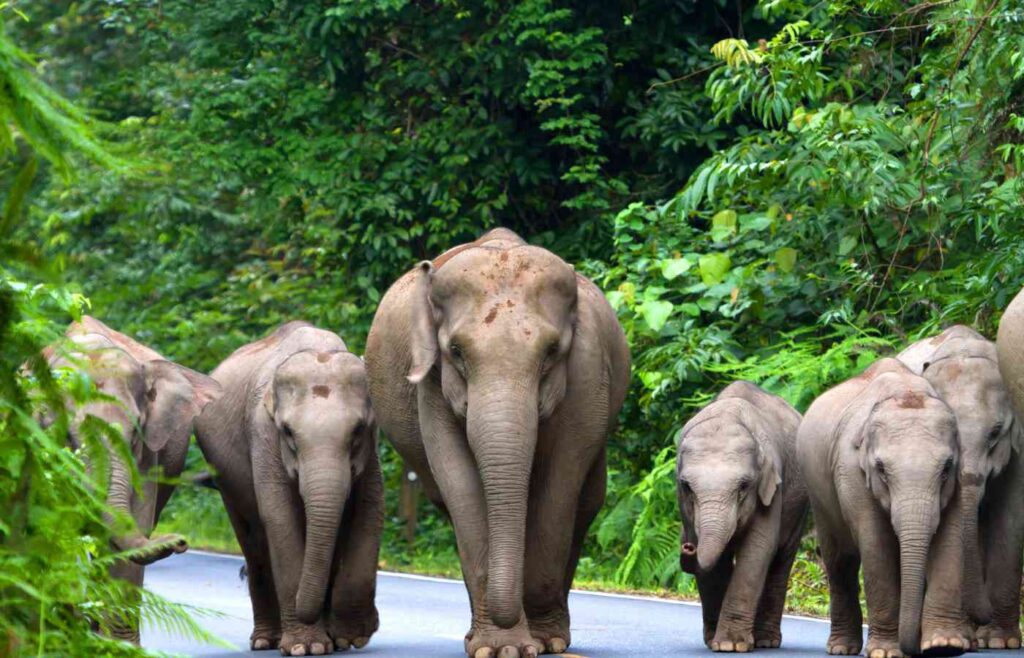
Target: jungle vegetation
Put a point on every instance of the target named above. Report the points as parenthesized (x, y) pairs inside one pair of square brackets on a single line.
[(780, 190)]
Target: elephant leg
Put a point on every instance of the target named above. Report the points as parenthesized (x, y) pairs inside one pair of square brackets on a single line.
[(353, 619), (128, 630), (281, 513), (842, 566), (557, 487), (455, 473), (252, 539), (879, 552), (768, 623), (711, 586), (1003, 538), (735, 631), (594, 489), (943, 623)]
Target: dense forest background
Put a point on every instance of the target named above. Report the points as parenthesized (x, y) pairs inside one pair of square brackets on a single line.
[(778, 190)]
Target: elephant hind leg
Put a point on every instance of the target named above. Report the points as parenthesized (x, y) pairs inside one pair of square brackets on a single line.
[(252, 538), (842, 566)]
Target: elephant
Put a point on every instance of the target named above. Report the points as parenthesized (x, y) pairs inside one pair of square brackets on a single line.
[(744, 505), (293, 443), (963, 368), (155, 404), (498, 372), (880, 457)]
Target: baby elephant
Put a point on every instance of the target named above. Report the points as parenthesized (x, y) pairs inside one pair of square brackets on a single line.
[(962, 366), (743, 504), (293, 442), (880, 456)]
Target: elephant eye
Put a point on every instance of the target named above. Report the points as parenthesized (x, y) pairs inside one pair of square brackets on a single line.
[(744, 484), (947, 468), (360, 427), (289, 437), (685, 484), (996, 431), (455, 350), (880, 467)]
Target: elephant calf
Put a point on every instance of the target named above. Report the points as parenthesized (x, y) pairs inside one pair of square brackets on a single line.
[(155, 403), (743, 504), (880, 457), (293, 442), (962, 366)]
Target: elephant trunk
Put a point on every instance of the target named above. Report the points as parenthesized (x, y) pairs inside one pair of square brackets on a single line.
[(915, 525), (976, 601), (715, 527), (324, 492), (501, 425)]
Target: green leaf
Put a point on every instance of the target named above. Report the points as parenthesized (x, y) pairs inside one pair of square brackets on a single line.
[(847, 244), (673, 267), (655, 313), (785, 258), (713, 268)]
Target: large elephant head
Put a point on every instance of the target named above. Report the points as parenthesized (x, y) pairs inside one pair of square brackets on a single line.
[(726, 467), (906, 443), (154, 404), (324, 428), (497, 321), (966, 374)]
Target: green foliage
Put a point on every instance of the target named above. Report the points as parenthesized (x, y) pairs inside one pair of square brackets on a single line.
[(54, 537)]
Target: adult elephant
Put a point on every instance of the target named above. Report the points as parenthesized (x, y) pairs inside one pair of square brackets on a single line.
[(498, 373), (294, 444), (963, 367), (880, 457), (155, 404)]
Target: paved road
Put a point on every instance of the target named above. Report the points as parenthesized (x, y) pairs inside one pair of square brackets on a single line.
[(427, 617)]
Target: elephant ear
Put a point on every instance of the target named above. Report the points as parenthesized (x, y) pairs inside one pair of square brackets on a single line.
[(423, 332), (175, 396), (553, 386), (770, 465)]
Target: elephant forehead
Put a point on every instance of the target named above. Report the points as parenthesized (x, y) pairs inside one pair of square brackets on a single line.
[(491, 271)]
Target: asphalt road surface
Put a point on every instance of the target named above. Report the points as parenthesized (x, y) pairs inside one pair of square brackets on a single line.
[(428, 617)]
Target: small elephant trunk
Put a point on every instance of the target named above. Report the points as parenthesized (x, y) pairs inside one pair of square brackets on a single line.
[(324, 492), (914, 532), (501, 424), (716, 525), (976, 601)]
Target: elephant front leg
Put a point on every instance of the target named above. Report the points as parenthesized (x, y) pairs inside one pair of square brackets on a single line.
[(454, 470), (1003, 538), (879, 553), (281, 512), (711, 585), (942, 618), (735, 629), (353, 619), (565, 497)]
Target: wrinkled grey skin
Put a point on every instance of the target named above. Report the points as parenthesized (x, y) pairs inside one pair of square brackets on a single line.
[(743, 504), (880, 457), (498, 373), (155, 403), (962, 366), (293, 443)]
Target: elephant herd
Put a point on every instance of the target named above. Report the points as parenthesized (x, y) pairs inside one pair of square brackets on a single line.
[(498, 372)]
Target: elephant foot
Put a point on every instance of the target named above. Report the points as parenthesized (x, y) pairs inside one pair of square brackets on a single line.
[(486, 640), (264, 638), (552, 630), (879, 648), (996, 637), (944, 642), (727, 640), (354, 630), (846, 642), (305, 640), (767, 639)]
